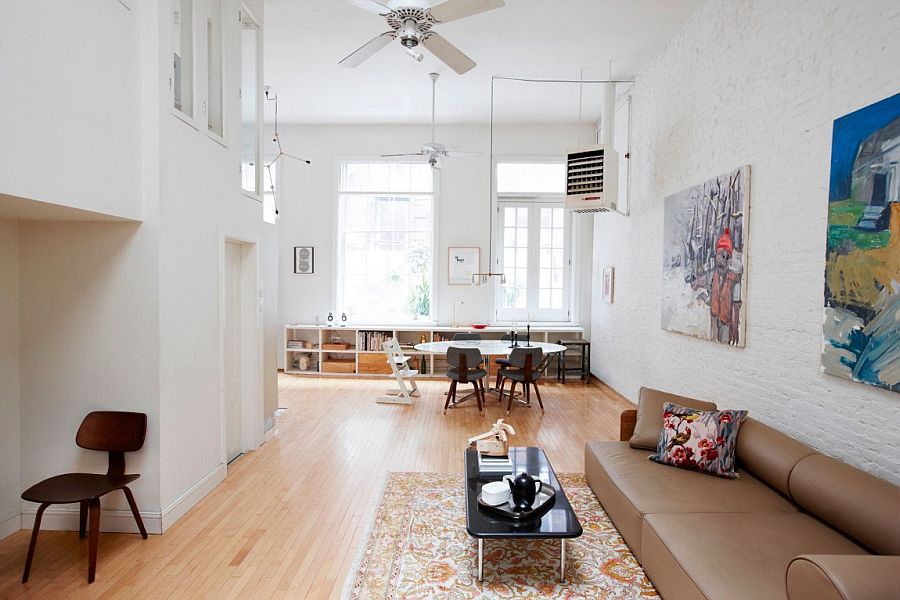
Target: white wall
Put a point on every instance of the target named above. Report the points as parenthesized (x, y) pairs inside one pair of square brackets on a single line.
[(89, 341), (9, 378), (756, 83), (200, 204), (71, 104), (307, 201)]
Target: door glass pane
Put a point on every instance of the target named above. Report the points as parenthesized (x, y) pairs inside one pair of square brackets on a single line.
[(183, 55), (214, 117)]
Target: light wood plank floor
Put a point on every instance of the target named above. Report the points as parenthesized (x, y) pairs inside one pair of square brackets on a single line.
[(289, 519)]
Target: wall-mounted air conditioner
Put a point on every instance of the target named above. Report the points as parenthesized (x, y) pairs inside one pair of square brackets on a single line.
[(592, 179)]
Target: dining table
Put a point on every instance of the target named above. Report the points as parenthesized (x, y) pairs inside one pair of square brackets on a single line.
[(491, 348)]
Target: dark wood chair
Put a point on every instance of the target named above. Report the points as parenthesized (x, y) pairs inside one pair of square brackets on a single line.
[(524, 369), (113, 432), (459, 371)]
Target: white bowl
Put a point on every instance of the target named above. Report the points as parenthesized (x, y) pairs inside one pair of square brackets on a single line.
[(495, 493)]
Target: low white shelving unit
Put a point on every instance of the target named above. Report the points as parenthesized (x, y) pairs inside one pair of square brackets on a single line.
[(355, 351)]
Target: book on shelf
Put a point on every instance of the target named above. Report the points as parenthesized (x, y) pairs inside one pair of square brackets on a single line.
[(372, 340), (494, 464)]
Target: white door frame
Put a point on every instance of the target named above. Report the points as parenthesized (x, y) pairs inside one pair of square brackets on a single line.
[(252, 391)]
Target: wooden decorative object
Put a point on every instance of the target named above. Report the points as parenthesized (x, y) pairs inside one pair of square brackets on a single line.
[(336, 346), (494, 442)]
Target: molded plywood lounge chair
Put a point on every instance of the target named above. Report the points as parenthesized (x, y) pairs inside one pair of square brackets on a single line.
[(113, 432)]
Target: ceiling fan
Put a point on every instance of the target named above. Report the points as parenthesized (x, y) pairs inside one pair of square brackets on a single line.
[(435, 151), (413, 27)]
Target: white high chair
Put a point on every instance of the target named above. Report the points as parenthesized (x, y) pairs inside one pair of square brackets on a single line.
[(402, 373)]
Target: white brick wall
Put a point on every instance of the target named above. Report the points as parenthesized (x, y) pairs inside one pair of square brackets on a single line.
[(754, 83)]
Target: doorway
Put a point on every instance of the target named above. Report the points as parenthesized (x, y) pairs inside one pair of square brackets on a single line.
[(232, 366)]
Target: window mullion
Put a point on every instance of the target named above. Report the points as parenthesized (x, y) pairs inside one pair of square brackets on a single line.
[(534, 258)]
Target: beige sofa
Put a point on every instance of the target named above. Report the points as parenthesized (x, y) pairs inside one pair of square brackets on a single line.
[(797, 525)]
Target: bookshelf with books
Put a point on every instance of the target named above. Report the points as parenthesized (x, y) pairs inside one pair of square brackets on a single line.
[(322, 350)]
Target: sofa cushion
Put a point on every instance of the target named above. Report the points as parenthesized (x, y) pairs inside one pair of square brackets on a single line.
[(861, 505), (650, 413), (732, 556), (629, 486), (769, 454), (699, 440)]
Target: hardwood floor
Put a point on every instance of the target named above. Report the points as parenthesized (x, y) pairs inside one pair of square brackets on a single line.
[(288, 520)]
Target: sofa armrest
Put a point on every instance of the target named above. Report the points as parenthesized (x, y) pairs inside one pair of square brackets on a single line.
[(627, 420), (843, 577)]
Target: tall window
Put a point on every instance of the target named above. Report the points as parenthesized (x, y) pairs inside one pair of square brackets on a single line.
[(533, 235), (215, 118), (183, 56), (250, 155), (386, 239)]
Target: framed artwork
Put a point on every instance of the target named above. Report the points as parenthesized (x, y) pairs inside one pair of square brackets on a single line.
[(304, 260), (705, 258), (609, 276), (861, 332), (464, 262)]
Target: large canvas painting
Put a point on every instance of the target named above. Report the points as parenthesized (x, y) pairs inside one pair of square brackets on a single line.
[(705, 257), (862, 266)]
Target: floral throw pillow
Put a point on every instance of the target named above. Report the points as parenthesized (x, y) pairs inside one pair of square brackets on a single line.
[(699, 440)]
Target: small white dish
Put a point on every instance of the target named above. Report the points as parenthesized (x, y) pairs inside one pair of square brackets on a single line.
[(495, 493)]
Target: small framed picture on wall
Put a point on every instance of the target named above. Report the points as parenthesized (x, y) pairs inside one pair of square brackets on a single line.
[(464, 262), (609, 281), (304, 260)]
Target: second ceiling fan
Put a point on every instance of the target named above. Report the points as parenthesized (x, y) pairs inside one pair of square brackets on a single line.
[(413, 27), (434, 151)]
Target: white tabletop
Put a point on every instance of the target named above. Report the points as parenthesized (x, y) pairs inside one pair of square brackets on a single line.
[(487, 347)]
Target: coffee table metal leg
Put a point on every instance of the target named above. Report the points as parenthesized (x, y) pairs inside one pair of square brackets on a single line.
[(481, 558), (562, 561)]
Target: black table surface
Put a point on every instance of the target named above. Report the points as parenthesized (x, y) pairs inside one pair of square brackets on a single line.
[(558, 522)]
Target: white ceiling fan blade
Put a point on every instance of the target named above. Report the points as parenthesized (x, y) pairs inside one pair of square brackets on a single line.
[(357, 57), (452, 56), (452, 10), (406, 154), (461, 154), (375, 6)]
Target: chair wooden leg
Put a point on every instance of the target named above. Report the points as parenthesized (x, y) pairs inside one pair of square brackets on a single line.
[(512, 392), (477, 385), (82, 519), (502, 383), (537, 393), (134, 510), (93, 537), (451, 395), (34, 537)]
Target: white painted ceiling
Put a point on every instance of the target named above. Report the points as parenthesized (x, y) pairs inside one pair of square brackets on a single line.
[(553, 39)]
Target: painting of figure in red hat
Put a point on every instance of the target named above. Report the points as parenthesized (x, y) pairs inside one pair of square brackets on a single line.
[(704, 259)]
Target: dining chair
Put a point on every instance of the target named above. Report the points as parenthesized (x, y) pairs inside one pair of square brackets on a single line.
[(460, 336), (502, 362), (458, 371), (106, 431), (523, 369)]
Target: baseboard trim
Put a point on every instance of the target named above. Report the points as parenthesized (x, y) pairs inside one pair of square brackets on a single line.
[(269, 424), (10, 525), (64, 517), (190, 498)]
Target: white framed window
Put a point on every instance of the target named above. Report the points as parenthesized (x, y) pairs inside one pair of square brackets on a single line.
[(533, 235), (182, 52), (385, 254), (251, 162), (215, 90)]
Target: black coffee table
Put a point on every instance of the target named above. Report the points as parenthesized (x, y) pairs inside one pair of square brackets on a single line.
[(560, 522)]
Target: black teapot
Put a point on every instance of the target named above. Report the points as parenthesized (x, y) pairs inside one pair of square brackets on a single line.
[(524, 488)]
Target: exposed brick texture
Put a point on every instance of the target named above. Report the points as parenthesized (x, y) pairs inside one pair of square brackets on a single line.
[(756, 83)]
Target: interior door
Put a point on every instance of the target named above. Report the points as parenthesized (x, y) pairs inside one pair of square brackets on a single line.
[(232, 355)]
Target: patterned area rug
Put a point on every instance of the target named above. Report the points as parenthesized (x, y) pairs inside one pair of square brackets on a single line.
[(418, 548)]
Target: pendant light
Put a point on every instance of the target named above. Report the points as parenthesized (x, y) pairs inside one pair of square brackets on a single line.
[(480, 279)]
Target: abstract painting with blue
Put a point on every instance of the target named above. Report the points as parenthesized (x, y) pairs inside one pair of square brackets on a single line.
[(862, 269)]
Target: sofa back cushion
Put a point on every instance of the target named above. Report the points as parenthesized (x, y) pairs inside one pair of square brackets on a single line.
[(860, 505), (649, 422), (769, 454)]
